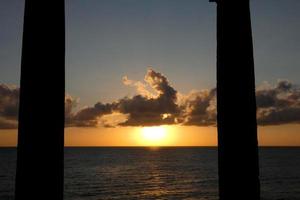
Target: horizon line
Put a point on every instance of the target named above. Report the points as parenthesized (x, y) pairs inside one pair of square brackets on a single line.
[(180, 146)]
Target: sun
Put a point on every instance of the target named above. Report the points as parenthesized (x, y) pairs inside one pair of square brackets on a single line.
[(155, 135)]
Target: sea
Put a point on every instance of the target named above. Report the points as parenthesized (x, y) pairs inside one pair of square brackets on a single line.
[(140, 173)]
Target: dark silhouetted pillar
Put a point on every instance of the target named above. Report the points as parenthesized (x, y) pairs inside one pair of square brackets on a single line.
[(236, 105), (41, 116)]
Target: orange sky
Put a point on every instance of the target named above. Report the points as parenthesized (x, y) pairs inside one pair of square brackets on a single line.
[(283, 135)]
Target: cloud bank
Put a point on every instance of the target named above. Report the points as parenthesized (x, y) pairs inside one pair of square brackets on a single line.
[(158, 103)]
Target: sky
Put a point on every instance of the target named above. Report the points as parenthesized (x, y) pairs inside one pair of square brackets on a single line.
[(117, 49)]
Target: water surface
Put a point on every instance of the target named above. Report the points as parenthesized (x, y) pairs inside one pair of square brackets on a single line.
[(162, 173)]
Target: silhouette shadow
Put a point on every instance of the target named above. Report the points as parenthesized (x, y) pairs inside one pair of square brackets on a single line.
[(40, 150), (236, 104)]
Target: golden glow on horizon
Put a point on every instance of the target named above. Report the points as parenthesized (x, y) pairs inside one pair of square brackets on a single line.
[(283, 135), (154, 136)]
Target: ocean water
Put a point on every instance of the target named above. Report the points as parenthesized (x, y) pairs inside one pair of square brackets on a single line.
[(162, 173)]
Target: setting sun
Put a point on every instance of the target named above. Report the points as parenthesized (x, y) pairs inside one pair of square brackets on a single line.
[(155, 135)]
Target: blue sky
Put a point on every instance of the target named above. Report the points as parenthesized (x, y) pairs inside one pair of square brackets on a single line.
[(107, 39)]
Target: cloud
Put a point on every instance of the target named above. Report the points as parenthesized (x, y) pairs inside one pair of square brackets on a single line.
[(90, 116), (140, 87), (199, 108), (9, 106), (7, 123), (70, 104), (154, 109), (279, 104), (145, 109), (158, 103)]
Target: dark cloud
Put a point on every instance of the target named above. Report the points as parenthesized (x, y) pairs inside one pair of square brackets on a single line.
[(149, 111), (158, 103), (89, 116), (9, 106), (9, 101), (144, 109), (199, 108), (265, 99), (275, 116), (70, 104), (279, 104), (7, 123)]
